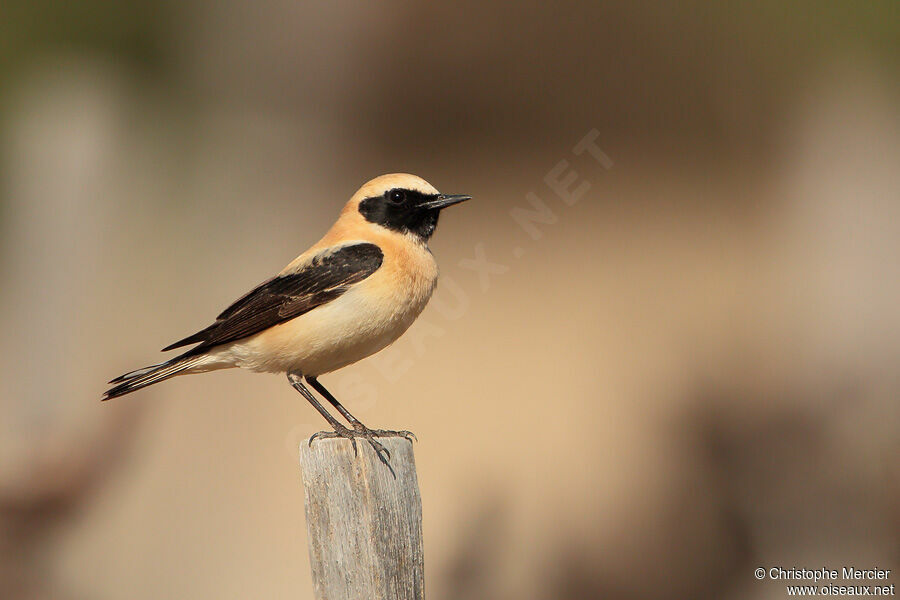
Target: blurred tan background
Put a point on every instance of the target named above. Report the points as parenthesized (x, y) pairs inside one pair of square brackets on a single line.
[(690, 372)]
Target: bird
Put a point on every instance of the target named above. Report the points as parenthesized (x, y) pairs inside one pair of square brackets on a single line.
[(350, 295)]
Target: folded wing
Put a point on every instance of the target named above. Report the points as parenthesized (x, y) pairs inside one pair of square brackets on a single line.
[(324, 278)]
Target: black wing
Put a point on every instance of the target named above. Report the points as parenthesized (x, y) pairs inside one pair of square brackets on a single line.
[(281, 298)]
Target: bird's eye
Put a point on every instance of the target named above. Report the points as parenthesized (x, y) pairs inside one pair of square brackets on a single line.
[(397, 196)]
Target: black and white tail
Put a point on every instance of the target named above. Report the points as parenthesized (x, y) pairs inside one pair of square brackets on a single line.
[(135, 380)]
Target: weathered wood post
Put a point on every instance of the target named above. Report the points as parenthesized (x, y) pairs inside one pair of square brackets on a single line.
[(364, 525)]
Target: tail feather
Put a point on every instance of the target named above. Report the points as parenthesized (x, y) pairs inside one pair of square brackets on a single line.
[(141, 378), (200, 336), (135, 373)]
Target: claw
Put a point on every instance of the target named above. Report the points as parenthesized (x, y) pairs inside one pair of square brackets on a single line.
[(380, 452)]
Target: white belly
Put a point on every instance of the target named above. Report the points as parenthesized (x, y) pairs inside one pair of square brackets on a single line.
[(365, 319)]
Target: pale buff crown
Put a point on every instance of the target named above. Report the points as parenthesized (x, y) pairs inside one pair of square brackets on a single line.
[(383, 183)]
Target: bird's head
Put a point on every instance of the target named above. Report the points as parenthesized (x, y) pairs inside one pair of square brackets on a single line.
[(402, 203)]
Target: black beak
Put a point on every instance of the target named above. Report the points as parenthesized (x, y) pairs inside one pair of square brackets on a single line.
[(443, 201)]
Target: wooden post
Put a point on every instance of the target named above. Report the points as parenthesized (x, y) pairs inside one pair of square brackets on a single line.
[(363, 524)]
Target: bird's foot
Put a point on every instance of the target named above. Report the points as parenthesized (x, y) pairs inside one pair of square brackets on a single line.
[(361, 431)]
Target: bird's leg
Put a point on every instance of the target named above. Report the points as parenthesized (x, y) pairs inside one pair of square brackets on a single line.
[(339, 429), (358, 426)]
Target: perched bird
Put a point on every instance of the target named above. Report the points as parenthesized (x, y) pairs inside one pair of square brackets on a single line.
[(350, 295)]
